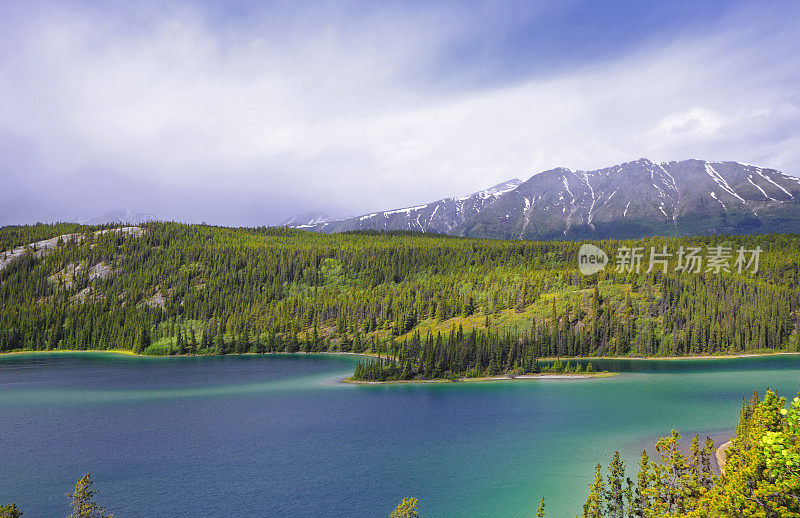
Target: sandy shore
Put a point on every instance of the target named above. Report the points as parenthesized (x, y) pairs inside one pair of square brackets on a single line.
[(720, 455)]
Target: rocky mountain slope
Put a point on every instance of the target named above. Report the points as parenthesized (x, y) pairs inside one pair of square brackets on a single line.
[(634, 199), (441, 216), (133, 217), (306, 219)]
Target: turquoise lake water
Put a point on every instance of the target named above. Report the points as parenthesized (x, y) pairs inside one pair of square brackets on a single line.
[(278, 436)]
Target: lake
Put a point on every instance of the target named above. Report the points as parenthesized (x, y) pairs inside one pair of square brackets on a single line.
[(278, 436)]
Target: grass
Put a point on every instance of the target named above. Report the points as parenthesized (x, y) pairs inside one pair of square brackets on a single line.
[(568, 299)]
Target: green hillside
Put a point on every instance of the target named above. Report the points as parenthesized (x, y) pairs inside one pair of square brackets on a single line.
[(444, 306)]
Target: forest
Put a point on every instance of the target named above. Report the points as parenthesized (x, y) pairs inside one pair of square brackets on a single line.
[(431, 306)]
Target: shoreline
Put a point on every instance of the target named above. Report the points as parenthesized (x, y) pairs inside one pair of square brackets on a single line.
[(348, 380), (521, 377), (654, 358), (128, 352), (719, 454), (482, 379), (123, 352)]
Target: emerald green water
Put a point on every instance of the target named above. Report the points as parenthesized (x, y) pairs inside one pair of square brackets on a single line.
[(278, 436)]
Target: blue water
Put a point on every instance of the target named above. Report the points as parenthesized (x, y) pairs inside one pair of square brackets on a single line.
[(278, 436)]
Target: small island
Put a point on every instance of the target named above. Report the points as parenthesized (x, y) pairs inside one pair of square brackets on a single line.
[(389, 370)]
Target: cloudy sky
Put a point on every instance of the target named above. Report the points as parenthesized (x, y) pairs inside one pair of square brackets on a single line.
[(246, 113)]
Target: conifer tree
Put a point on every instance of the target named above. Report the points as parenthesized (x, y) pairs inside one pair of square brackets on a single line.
[(614, 493), (406, 509), (10, 511), (593, 508), (82, 504)]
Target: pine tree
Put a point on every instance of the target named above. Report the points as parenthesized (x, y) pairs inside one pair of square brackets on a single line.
[(10, 511), (82, 504), (593, 508), (614, 494), (641, 494), (406, 509), (143, 342)]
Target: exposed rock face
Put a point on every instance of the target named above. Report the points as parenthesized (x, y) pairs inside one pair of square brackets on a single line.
[(643, 198), (441, 216), (129, 216), (634, 199), (306, 219), (42, 248)]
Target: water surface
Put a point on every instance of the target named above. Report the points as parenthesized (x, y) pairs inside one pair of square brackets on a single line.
[(277, 436)]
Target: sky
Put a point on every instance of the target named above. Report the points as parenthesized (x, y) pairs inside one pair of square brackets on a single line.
[(243, 113)]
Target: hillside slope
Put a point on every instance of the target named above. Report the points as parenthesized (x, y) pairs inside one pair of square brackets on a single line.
[(441, 304)]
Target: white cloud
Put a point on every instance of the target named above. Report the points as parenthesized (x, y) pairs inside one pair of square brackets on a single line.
[(694, 123), (325, 115)]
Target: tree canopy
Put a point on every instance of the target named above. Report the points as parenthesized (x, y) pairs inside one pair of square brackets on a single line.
[(439, 306)]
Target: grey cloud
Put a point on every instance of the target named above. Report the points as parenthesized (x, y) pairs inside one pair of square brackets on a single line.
[(169, 116)]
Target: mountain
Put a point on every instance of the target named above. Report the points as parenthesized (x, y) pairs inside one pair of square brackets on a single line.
[(133, 217), (441, 216), (634, 199), (306, 219), (643, 198)]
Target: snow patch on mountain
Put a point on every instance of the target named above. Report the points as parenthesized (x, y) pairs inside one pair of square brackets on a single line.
[(114, 216)]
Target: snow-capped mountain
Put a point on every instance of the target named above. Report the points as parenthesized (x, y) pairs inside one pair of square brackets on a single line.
[(634, 199), (306, 219), (441, 216), (642, 198), (133, 217)]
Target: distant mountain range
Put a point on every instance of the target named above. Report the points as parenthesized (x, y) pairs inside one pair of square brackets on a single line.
[(134, 217), (634, 199), (306, 219), (442, 216)]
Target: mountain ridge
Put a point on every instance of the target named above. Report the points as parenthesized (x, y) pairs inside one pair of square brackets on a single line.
[(132, 216), (639, 198), (440, 216)]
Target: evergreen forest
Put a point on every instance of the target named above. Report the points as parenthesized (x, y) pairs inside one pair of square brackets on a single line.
[(430, 306)]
